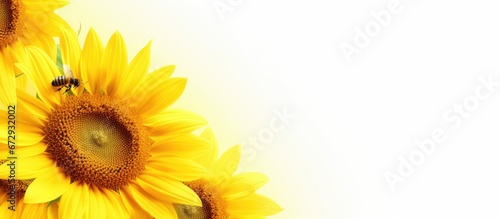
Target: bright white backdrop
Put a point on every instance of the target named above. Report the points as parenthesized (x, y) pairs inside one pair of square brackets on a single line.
[(407, 69)]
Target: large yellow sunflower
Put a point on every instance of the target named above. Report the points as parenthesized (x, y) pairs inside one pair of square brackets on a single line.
[(224, 195), (111, 147), (25, 23)]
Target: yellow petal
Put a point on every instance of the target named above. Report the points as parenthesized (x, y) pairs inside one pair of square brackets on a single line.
[(152, 205), (253, 204), (23, 152), (96, 205), (172, 211), (177, 168), (90, 62), (173, 122), (44, 5), (243, 184), (96, 194), (135, 210), (41, 72), (26, 118), (152, 80), (48, 186), (5, 212), (225, 166), (114, 63), (210, 157), (33, 105), (85, 193), (21, 81), (23, 135), (26, 168), (8, 81), (162, 96), (73, 200), (53, 27), (24, 130), (136, 71), (186, 146), (115, 206), (52, 211), (209, 135), (70, 50), (34, 211), (168, 191), (37, 37)]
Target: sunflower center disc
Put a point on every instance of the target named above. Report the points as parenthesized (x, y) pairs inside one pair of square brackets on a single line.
[(98, 139), (213, 205), (10, 17)]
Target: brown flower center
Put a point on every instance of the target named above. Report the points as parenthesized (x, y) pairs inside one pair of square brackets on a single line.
[(98, 139), (11, 16), (213, 205)]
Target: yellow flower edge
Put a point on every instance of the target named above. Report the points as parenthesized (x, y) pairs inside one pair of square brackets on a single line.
[(225, 195), (111, 147), (25, 23)]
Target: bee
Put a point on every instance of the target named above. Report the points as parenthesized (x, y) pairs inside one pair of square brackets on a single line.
[(67, 80)]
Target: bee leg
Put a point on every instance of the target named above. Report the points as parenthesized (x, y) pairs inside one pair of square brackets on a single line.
[(59, 89), (68, 88)]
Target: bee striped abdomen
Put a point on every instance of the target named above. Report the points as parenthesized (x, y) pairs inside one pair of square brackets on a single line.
[(59, 81)]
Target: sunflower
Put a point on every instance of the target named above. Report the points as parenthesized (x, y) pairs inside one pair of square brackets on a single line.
[(25, 23), (225, 195), (113, 146)]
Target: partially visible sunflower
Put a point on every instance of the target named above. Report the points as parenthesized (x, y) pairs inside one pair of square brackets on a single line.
[(224, 195), (112, 147), (12, 202), (25, 23)]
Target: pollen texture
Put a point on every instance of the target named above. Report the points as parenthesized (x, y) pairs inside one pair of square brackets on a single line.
[(98, 139)]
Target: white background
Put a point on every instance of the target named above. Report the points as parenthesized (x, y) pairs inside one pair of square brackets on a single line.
[(352, 119)]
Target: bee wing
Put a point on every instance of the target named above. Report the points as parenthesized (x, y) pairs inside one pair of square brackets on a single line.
[(67, 71)]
